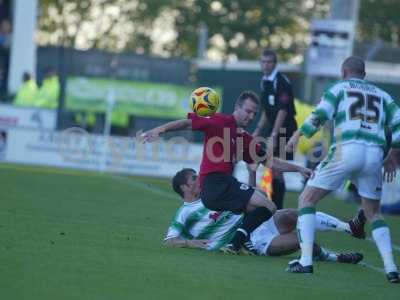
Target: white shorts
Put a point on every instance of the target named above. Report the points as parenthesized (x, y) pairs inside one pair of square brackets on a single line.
[(360, 163), (263, 235)]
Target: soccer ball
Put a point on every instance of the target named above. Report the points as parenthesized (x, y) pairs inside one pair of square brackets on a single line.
[(204, 101)]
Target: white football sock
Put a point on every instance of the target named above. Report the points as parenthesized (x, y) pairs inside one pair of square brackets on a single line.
[(306, 232), (325, 222), (381, 236)]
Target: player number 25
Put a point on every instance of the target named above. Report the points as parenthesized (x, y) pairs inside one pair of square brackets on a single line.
[(365, 108)]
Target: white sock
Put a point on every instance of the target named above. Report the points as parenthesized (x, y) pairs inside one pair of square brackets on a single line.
[(381, 236), (306, 232), (325, 222)]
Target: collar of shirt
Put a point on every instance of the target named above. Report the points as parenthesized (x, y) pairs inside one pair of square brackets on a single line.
[(356, 79), (191, 202), (271, 77)]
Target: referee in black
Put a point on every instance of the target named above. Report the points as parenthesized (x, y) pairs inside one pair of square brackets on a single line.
[(278, 115)]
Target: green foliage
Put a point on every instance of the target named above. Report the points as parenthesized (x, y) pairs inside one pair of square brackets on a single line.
[(242, 28), (236, 28), (380, 20)]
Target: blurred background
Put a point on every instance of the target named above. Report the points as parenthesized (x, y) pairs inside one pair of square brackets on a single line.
[(80, 78)]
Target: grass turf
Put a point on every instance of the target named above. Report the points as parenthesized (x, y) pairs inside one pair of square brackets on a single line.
[(79, 235)]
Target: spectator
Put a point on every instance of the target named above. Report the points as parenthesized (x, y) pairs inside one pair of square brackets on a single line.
[(5, 41), (49, 92), (27, 92), (5, 34)]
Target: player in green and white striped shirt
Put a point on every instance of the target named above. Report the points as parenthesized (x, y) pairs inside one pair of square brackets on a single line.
[(360, 112), (195, 226)]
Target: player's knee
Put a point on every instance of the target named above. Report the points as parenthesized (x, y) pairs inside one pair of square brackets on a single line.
[(261, 200), (292, 216), (288, 219)]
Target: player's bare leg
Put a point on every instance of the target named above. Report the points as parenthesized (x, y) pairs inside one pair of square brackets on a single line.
[(283, 244), (258, 210), (260, 199), (285, 220), (381, 235)]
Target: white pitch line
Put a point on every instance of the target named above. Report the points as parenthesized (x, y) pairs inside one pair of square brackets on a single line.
[(366, 265), (372, 267), (144, 186)]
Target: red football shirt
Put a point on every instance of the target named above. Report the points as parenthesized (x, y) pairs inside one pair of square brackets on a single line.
[(220, 139)]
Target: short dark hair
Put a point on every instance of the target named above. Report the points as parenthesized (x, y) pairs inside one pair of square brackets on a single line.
[(181, 178), (355, 65), (268, 52), (247, 95), (26, 76)]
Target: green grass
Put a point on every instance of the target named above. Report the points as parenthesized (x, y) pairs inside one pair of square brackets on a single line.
[(79, 235)]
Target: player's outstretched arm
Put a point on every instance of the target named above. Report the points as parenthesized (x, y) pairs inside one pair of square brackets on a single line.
[(153, 134), (284, 166), (182, 243), (293, 141), (261, 124)]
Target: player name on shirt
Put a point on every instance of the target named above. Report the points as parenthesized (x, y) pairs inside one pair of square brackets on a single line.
[(362, 86)]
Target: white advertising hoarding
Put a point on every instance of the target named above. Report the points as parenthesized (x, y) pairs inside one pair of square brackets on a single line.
[(331, 43), (74, 148), (12, 116)]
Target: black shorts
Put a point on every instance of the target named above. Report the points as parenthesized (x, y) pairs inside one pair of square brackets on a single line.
[(223, 192)]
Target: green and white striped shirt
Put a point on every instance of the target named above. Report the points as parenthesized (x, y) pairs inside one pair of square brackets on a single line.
[(360, 111), (195, 221)]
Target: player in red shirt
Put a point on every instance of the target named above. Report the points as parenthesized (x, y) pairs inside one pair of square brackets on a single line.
[(225, 143)]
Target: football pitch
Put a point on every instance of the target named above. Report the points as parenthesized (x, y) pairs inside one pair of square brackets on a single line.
[(68, 234)]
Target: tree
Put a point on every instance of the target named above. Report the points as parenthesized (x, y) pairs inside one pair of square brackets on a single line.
[(241, 28), (237, 28), (380, 20), (101, 24)]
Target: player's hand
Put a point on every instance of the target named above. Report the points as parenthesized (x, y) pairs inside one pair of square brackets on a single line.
[(200, 244), (307, 173), (389, 168), (292, 143), (150, 136)]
